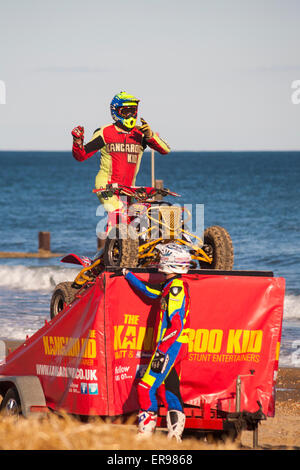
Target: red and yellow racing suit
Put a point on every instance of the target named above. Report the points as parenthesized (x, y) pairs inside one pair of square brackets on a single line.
[(121, 154)]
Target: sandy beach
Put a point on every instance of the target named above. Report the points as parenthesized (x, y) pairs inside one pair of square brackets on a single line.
[(282, 431)]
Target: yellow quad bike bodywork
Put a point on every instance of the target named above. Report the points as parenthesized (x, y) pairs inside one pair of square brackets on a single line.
[(169, 220), (214, 251)]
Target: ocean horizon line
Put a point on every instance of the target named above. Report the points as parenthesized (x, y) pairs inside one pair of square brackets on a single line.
[(172, 151)]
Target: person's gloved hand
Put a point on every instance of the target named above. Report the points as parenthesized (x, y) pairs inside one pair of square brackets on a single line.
[(146, 129), (120, 272), (78, 135)]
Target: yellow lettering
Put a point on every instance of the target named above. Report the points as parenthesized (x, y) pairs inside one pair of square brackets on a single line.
[(251, 341), (245, 342), (239, 342), (46, 345), (191, 339), (215, 341), (51, 345), (201, 340), (117, 336), (233, 343), (90, 350), (57, 345), (255, 341), (73, 347), (130, 338), (131, 319)]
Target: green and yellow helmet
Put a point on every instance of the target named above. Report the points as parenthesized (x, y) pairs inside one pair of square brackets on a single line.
[(124, 109)]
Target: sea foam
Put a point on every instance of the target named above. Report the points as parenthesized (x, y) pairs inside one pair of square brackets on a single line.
[(26, 278)]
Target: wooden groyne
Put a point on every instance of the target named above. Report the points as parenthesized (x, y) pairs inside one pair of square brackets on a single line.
[(44, 249), (39, 254)]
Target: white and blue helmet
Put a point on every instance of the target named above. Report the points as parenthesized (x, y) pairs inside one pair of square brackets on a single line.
[(173, 259)]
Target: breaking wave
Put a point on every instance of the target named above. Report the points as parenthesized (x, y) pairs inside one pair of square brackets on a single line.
[(26, 278), (291, 307)]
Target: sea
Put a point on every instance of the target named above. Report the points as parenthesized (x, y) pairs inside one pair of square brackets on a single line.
[(254, 195)]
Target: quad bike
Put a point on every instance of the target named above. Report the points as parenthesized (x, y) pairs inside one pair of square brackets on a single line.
[(144, 223), (133, 237)]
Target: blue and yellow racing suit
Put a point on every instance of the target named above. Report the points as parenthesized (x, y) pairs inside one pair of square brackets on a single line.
[(162, 377)]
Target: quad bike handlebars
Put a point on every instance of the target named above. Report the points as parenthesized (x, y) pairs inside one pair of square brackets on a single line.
[(140, 193)]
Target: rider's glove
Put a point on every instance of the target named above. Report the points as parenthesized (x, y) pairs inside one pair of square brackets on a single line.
[(146, 129), (124, 271), (78, 135), (159, 362)]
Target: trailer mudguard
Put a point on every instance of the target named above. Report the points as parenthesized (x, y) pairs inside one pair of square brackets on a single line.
[(29, 389)]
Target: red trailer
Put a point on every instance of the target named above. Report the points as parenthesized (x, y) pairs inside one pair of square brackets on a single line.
[(88, 359)]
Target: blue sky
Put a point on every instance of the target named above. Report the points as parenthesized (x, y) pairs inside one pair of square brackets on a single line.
[(211, 75)]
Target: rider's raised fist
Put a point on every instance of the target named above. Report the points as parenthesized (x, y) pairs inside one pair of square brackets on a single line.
[(78, 134), (146, 129)]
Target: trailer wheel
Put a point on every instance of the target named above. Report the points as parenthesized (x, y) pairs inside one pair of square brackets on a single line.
[(218, 245), (63, 295), (11, 404)]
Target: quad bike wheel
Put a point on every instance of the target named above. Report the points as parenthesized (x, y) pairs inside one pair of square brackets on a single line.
[(121, 247), (218, 245), (63, 295)]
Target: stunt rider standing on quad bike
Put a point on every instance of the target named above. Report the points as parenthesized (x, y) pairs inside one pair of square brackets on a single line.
[(162, 377), (121, 145)]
